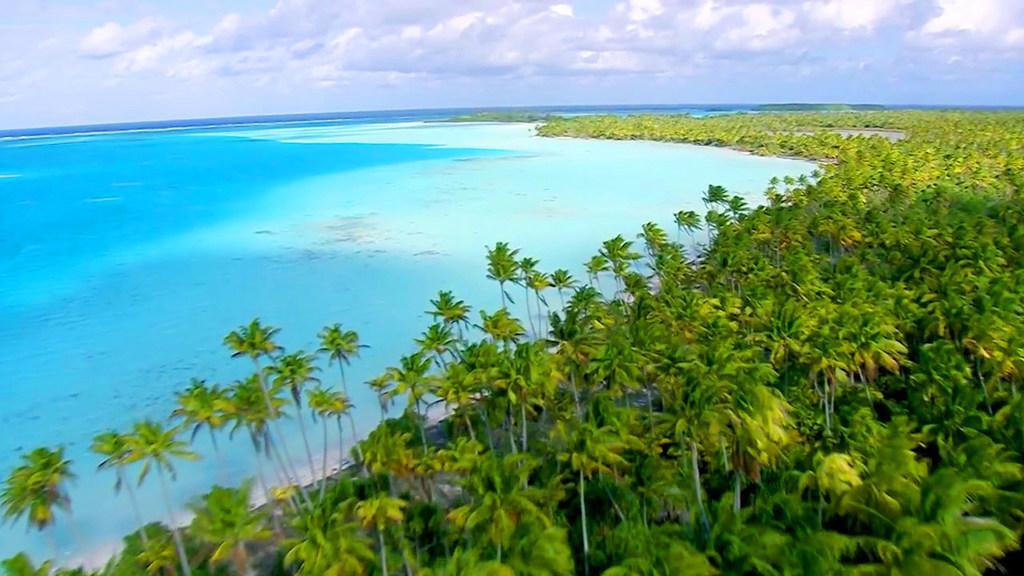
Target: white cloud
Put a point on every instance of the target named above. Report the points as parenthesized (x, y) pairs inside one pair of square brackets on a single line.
[(112, 38), (562, 9), (640, 10), (760, 27), (851, 14), (994, 23), (320, 42), (965, 16)]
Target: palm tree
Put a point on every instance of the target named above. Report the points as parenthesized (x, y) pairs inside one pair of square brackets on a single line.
[(326, 403), (528, 267), (293, 372), (562, 280), (715, 195), (378, 513), (618, 252), (502, 267), (501, 326), (538, 282), (688, 221), (591, 451), (200, 406), (245, 408), (450, 311), (37, 488), (595, 266), (335, 547), (225, 519), (256, 341), (501, 499), (412, 378), (655, 240), (21, 565), (341, 346), (158, 555), (157, 447), (458, 389), (381, 385), (438, 340), (737, 207), (387, 452), (115, 449)]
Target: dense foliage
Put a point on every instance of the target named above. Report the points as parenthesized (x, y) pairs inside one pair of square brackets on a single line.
[(831, 386), (802, 107)]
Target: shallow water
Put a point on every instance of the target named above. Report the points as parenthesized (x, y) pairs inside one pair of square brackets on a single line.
[(126, 257)]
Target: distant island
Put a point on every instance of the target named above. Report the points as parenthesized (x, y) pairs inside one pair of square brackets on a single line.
[(503, 116), (802, 107), (534, 116)]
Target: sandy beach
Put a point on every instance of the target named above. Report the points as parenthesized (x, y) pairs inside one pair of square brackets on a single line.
[(307, 477)]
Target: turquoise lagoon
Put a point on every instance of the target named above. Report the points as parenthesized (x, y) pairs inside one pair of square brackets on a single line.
[(125, 258)]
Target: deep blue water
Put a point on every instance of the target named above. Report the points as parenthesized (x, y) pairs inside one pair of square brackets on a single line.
[(107, 195)]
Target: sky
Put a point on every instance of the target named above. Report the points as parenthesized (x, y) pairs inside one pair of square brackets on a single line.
[(94, 61)]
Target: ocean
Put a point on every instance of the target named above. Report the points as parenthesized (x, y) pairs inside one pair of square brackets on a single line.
[(128, 252)]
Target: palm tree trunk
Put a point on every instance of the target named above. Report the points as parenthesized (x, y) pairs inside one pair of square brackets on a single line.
[(305, 441), (355, 438), (341, 443), (615, 504), (352, 423), (323, 472), (186, 570), (221, 471), (469, 425), (510, 424), (135, 505), (529, 316), (501, 288), (262, 477), (542, 317), (405, 553), (242, 560), (981, 382), (270, 452), (288, 464), (867, 389), (737, 497), (486, 417), (344, 384), (575, 393), (288, 468), (423, 426), (280, 461), (583, 524), (695, 463), (650, 405), (522, 410), (383, 552)]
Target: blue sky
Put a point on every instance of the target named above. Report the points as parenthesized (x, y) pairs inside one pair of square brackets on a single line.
[(88, 61)]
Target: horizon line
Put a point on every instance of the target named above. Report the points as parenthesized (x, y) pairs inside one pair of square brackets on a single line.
[(249, 119)]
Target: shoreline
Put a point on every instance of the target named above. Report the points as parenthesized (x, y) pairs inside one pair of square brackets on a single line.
[(99, 556), (743, 151)]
